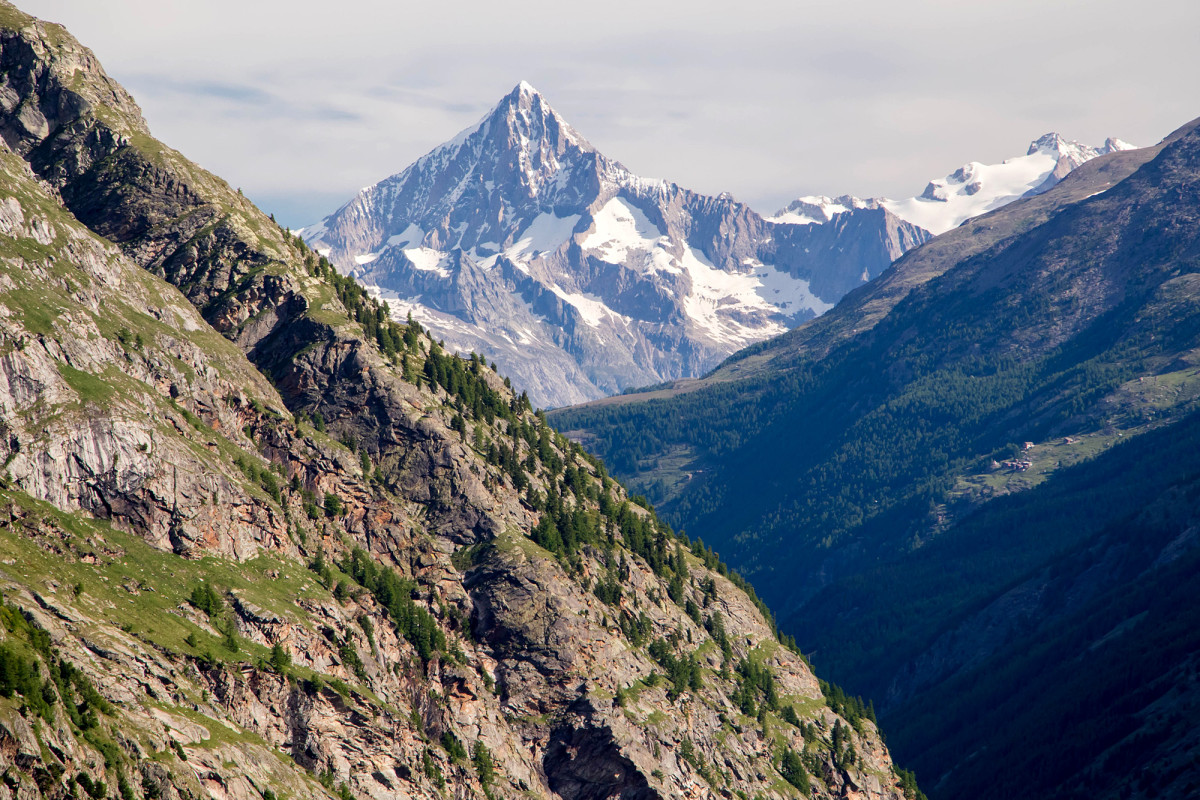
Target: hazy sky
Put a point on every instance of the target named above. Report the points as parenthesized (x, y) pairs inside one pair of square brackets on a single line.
[(301, 103)]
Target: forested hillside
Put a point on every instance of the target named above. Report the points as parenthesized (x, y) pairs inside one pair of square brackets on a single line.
[(1063, 608)]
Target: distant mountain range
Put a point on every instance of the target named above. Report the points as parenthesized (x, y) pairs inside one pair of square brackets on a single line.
[(519, 240)]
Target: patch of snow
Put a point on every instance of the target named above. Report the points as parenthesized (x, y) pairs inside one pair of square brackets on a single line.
[(792, 218), (310, 233), (410, 235), (792, 295), (427, 259), (713, 291), (660, 259), (545, 234), (367, 259), (818, 209), (618, 228), (719, 300), (591, 309)]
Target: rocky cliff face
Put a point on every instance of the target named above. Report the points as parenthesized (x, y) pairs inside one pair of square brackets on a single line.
[(317, 553), (520, 240)]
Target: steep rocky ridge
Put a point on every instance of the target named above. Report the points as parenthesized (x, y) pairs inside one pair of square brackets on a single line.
[(249, 279), (137, 351), (519, 239), (351, 563)]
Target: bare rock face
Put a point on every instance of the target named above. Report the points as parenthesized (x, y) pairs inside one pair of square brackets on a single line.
[(102, 365), (314, 554)]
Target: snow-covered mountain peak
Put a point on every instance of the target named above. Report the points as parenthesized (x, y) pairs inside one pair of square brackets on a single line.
[(977, 188), (1074, 153), (1050, 142), (478, 191), (1054, 144), (525, 106), (973, 189)]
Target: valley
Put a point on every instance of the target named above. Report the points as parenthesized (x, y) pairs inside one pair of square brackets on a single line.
[(521, 475), (912, 477)]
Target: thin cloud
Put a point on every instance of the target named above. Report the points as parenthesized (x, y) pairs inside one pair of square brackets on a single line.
[(225, 91)]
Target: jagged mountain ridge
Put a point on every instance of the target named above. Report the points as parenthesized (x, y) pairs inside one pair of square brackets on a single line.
[(519, 240), (287, 466)]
